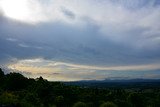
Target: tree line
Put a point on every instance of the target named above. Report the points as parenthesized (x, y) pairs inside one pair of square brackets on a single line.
[(19, 91)]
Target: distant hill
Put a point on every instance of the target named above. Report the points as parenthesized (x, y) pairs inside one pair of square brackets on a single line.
[(123, 83)]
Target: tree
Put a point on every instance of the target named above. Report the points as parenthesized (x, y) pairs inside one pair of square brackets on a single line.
[(108, 104), (8, 99), (59, 100), (1, 78), (79, 104), (136, 100), (1, 73), (16, 81)]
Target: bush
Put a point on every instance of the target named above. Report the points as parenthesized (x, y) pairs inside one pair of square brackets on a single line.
[(8, 99), (108, 104), (79, 104)]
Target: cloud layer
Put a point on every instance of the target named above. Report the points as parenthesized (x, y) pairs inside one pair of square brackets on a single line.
[(82, 32), (58, 71)]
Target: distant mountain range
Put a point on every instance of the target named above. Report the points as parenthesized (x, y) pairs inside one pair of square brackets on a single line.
[(122, 83), (122, 80)]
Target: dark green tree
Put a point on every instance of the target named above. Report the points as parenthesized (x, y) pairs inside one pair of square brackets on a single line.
[(59, 100), (8, 99), (16, 81), (1, 78), (80, 104), (1, 73), (108, 104), (136, 99)]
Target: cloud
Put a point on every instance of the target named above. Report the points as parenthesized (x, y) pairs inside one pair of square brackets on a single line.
[(68, 13), (23, 45), (51, 69), (124, 21), (11, 39), (64, 42), (87, 32)]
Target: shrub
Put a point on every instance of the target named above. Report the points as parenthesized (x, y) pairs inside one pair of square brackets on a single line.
[(79, 104), (108, 104)]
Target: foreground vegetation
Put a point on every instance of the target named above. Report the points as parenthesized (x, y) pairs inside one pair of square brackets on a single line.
[(19, 91)]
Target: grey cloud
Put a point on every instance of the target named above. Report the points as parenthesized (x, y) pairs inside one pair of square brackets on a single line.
[(11, 39), (68, 13), (130, 4), (69, 44), (97, 34)]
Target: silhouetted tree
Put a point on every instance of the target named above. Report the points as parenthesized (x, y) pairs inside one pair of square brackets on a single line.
[(16, 81), (1, 77), (1, 73)]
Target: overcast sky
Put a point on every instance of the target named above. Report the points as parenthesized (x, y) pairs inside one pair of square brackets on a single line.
[(67, 40)]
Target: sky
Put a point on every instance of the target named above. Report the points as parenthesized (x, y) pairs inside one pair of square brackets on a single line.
[(71, 40)]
